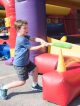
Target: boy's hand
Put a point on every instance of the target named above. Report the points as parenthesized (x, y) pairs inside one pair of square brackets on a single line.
[(45, 44)]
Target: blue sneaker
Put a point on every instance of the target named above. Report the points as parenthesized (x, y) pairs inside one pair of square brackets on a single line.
[(37, 88), (3, 93)]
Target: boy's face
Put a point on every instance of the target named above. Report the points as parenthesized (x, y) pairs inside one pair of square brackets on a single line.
[(23, 30)]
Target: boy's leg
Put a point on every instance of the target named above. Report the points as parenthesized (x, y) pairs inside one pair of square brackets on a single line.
[(35, 85), (32, 67), (4, 89), (22, 75), (35, 75), (14, 84)]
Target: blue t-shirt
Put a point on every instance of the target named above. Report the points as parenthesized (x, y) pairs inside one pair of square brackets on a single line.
[(21, 57)]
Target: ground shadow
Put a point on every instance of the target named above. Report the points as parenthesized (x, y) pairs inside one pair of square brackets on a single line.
[(20, 93)]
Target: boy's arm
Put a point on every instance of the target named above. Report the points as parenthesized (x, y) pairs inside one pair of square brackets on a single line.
[(38, 47), (38, 40)]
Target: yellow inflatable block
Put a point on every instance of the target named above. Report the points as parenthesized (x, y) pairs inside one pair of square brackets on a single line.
[(74, 51), (61, 65), (63, 39), (7, 22), (50, 40), (12, 52), (57, 10), (49, 47), (2, 13)]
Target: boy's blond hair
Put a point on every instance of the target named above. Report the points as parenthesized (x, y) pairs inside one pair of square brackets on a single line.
[(19, 23)]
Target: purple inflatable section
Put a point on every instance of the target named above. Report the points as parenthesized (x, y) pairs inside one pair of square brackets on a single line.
[(34, 12)]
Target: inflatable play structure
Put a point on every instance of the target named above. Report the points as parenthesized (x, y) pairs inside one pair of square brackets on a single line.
[(73, 52), (61, 83), (37, 24), (7, 16), (35, 15), (32, 11)]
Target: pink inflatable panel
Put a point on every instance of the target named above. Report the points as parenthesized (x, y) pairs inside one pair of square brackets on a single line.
[(46, 62), (62, 88)]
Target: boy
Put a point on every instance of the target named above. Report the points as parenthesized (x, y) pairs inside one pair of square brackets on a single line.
[(21, 63)]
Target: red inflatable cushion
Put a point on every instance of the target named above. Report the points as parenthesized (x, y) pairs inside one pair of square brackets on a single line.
[(62, 88), (46, 62)]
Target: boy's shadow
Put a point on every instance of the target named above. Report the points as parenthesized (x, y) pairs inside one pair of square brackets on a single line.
[(20, 93), (75, 102)]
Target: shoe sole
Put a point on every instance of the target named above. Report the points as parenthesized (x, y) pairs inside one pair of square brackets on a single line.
[(36, 90)]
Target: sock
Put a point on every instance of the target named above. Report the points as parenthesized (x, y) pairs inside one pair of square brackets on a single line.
[(34, 84)]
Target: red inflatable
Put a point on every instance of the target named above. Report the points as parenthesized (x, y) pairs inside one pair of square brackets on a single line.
[(59, 88), (62, 88), (46, 62), (9, 6)]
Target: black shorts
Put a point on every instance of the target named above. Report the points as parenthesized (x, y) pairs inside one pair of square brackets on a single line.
[(23, 71)]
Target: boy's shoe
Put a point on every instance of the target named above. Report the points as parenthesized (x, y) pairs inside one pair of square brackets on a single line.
[(37, 88), (3, 93)]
